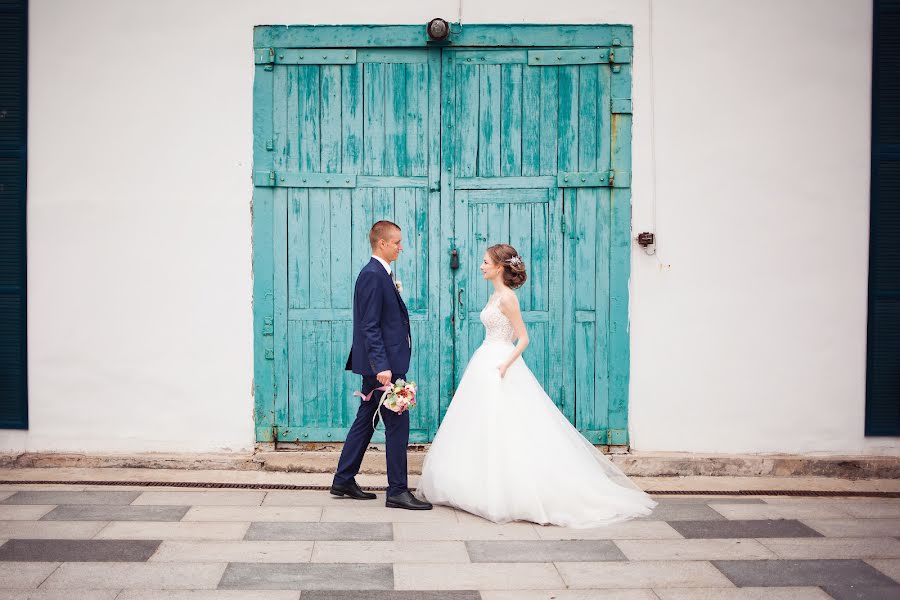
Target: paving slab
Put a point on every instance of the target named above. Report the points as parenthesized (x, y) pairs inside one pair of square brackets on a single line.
[(59, 594), (888, 566), (389, 552), (320, 531), (71, 497), (752, 528), (822, 548), (276, 514), (694, 549), (26, 512), (391, 595), (196, 497), (317, 498), (207, 595), (569, 595), (780, 511), (764, 573), (383, 514), (543, 551), (641, 574), (481, 576), (307, 576), (25, 575), (157, 530), (855, 527), (862, 592), (104, 575), (628, 530), (683, 512), (463, 531), (747, 593), (63, 550), (97, 512), (233, 551), (51, 529)]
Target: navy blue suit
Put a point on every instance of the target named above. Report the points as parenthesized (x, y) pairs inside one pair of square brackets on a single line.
[(381, 342)]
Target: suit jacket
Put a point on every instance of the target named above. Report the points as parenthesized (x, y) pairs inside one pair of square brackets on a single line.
[(381, 333)]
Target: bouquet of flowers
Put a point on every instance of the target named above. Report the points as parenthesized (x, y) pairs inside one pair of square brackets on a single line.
[(399, 397)]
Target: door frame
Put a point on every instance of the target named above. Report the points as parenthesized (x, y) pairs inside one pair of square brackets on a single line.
[(268, 38)]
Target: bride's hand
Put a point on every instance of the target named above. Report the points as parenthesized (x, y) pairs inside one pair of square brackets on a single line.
[(502, 368)]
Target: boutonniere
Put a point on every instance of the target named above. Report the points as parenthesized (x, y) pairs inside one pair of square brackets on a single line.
[(399, 285)]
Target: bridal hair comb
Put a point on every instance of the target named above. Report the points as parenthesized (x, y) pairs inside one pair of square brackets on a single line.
[(515, 261)]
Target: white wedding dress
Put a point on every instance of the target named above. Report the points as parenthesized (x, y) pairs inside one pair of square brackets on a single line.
[(505, 452)]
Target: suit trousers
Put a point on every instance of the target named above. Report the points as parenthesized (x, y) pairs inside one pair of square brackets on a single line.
[(396, 434)]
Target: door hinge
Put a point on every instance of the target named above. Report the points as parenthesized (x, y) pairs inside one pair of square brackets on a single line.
[(562, 223)]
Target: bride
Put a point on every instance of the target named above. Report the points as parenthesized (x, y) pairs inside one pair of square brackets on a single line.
[(504, 451)]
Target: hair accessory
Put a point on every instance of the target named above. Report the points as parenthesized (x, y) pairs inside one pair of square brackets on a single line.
[(514, 261)]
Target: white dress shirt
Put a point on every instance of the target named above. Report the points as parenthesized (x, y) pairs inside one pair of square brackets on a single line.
[(384, 263)]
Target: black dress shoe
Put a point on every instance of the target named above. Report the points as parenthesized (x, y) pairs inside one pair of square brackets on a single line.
[(406, 500), (352, 490)]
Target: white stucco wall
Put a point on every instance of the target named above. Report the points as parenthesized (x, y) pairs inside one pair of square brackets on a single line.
[(747, 328)]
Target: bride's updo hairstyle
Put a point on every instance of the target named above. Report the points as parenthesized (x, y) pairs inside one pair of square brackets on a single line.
[(513, 266)]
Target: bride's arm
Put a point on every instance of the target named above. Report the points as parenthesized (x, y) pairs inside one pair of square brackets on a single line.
[(509, 306)]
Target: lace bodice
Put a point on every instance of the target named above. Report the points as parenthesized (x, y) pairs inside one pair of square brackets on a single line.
[(497, 327)]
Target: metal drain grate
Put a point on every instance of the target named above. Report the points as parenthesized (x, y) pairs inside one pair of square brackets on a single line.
[(289, 486)]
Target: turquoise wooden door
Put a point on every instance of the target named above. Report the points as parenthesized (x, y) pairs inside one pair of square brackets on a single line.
[(354, 140), (529, 163), (463, 147)]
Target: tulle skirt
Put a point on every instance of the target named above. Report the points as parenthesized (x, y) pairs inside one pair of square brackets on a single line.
[(505, 452)]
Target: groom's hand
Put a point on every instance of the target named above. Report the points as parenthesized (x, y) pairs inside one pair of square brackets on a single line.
[(384, 377)]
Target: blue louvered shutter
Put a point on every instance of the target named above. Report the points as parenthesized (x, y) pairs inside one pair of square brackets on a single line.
[(13, 137), (883, 365)]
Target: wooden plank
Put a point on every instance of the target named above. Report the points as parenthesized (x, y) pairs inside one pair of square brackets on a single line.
[(263, 260), (568, 121), (531, 122), (539, 257), (559, 57), (304, 180), (526, 196), (341, 314), (477, 35), (602, 251), (445, 288), (414, 119), (520, 239), (309, 151), (280, 323), (351, 118), (420, 241), (341, 274), (331, 119), (620, 260), (361, 220), (411, 56), (383, 204), (491, 57), (297, 249), (489, 121), (314, 56), (394, 116), (433, 130), (588, 116), (503, 183), (391, 182), (467, 126), (373, 119), (549, 119), (511, 120), (407, 264)]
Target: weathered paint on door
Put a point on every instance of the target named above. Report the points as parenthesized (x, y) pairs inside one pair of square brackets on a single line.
[(353, 142), (463, 147)]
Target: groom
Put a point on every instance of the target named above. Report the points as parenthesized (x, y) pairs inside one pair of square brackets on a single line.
[(381, 351)]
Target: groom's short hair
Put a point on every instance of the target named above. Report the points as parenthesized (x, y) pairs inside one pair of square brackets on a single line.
[(380, 231)]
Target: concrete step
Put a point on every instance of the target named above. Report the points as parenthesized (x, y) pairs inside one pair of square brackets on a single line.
[(638, 464), (635, 464)]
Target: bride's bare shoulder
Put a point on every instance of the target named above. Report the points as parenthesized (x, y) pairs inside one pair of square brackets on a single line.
[(508, 300)]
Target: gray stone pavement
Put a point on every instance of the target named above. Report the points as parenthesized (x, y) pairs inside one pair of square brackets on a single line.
[(132, 542)]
